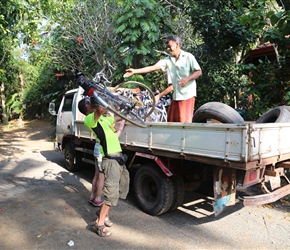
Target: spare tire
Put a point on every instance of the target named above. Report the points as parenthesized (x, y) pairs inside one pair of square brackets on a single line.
[(275, 115), (218, 111)]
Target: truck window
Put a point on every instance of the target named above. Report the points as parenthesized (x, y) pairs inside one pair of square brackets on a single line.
[(67, 105)]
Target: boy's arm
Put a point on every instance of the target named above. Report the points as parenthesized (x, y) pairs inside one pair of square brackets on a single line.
[(120, 127)]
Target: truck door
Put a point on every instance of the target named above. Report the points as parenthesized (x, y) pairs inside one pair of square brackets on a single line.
[(64, 117)]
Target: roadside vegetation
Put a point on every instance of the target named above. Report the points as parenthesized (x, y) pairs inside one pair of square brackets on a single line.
[(44, 43)]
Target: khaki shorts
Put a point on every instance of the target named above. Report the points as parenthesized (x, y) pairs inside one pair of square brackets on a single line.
[(116, 183)]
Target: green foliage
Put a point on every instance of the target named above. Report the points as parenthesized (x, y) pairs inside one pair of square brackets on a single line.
[(62, 37), (222, 24), (279, 31), (270, 81), (87, 42), (139, 27), (224, 34), (229, 29), (9, 72), (269, 86), (14, 106)]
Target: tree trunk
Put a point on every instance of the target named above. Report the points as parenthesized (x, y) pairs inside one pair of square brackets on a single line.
[(21, 78), (3, 115)]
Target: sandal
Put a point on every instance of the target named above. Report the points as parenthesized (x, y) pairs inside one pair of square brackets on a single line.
[(108, 222), (100, 230)]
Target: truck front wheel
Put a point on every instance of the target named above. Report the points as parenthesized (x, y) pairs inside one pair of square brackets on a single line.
[(70, 158), (153, 190)]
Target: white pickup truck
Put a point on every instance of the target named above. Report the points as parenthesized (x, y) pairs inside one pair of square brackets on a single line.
[(167, 159)]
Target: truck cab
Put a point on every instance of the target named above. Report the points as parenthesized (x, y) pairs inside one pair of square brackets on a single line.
[(67, 113)]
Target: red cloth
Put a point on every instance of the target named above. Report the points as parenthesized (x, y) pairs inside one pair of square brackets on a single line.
[(181, 111)]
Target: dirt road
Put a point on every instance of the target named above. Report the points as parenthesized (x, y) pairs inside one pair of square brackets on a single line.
[(42, 206)]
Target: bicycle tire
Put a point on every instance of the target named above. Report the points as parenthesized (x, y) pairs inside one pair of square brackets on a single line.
[(139, 96), (113, 103), (140, 124)]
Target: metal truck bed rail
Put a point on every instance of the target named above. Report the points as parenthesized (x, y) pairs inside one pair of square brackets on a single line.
[(249, 144)]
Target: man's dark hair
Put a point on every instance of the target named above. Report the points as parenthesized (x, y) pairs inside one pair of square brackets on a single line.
[(82, 105), (174, 38)]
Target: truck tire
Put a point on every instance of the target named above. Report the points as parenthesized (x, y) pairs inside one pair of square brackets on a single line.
[(275, 115), (178, 192), (153, 190), (218, 111), (70, 158)]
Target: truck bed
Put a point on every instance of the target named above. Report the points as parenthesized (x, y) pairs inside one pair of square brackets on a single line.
[(231, 145)]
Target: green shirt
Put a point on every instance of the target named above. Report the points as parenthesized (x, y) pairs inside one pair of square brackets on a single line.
[(183, 67), (105, 133)]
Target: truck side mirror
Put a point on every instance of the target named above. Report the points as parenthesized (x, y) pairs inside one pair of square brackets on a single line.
[(51, 108)]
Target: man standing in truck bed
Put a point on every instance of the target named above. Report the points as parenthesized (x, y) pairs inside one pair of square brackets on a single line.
[(116, 184), (183, 70)]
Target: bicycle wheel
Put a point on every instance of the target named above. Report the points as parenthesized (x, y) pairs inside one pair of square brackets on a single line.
[(137, 102), (120, 106), (115, 104)]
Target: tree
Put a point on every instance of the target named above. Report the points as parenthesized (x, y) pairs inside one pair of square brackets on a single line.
[(270, 78), (140, 28), (88, 40), (59, 38), (18, 23)]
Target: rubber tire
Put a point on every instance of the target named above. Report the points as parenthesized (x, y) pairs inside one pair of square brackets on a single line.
[(275, 115), (178, 192), (69, 157), (218, 111), (287, 107), (153, 190)]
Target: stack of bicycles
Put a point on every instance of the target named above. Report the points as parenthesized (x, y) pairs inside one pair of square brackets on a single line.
[(133, 101), (159, 114)]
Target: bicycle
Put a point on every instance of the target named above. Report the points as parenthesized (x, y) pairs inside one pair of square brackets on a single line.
[(133, 101), (159, 114)]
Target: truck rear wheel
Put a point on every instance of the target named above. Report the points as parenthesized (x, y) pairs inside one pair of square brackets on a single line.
[(70, 158), (178, 192), (153, 190), (275, 115), (219, 112)]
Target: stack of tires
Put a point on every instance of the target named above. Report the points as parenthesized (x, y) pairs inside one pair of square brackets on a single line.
[(225, 114)]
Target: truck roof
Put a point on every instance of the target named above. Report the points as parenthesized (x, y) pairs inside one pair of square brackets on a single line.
[(71, 91)]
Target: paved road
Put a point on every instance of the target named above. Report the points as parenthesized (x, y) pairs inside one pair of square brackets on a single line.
[(42, 206)]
